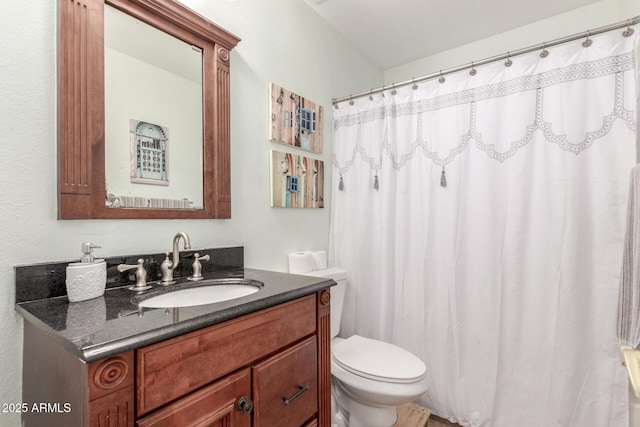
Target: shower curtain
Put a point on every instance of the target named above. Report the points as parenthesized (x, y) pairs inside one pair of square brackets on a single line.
[(480, 219)]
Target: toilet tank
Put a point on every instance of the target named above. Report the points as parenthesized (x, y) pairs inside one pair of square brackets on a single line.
[(339, 275)]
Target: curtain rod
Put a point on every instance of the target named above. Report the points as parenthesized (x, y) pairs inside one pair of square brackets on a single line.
[(506, 56)]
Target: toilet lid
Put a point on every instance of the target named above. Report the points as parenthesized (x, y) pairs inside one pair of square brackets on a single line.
[(378, 360)]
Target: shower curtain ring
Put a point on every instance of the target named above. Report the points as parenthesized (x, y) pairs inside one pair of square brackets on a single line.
[(508, 62), (414, 86), (544, 52), (629, 31), (588, 42), (393, 89), (441, 79), (335, 105), (371, 95), (351, 100), (473, 71)]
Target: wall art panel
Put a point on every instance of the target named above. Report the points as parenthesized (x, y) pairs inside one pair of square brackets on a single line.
[(296, 181), (295, 120)]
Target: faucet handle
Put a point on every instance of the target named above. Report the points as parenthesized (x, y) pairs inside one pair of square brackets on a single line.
[(197, 267), (166, 267), (141, 275)]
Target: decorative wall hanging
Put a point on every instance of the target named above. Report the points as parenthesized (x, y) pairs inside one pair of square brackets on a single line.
[(295, 120), (296, 181), (149, 153)]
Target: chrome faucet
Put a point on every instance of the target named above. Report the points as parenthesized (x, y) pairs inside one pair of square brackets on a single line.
[(169, 265)]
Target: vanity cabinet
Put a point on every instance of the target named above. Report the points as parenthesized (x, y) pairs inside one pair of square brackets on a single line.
[(263, 369)]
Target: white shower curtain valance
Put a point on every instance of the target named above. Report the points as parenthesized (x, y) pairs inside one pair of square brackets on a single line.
[(481, 221), (526, 92)]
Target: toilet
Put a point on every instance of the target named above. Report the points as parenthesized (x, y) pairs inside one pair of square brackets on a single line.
[(369, 378)]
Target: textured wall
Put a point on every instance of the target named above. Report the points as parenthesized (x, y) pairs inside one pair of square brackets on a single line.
[(284, 42), (595, 15)]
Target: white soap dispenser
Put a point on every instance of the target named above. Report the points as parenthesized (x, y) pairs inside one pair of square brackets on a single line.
[(86, 279)]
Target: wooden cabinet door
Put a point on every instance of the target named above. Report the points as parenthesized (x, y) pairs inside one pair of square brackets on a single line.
[(112, 410), (285, 387), (213, 406)]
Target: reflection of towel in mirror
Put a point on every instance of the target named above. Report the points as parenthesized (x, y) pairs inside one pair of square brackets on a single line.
[(629, 296)]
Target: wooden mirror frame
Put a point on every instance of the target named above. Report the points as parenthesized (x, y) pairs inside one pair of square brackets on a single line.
[(81, 115)]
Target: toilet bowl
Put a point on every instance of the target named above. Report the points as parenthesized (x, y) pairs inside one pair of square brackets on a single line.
[(369, 378)]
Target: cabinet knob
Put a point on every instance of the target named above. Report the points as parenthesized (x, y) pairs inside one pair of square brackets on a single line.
[(245, 405)]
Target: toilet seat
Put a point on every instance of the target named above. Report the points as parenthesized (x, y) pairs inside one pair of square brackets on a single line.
[(377, 360)]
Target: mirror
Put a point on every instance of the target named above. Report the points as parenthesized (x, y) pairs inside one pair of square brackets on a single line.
[(153, 116), (143, 114)]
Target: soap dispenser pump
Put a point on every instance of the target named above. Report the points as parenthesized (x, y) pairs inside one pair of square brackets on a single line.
[(86, 279), (87, 252)]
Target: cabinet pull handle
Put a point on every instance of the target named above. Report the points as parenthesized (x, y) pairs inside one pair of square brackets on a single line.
[(245, 405), (301, 389)]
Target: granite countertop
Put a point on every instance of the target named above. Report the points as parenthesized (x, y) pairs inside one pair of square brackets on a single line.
[(108, 325)]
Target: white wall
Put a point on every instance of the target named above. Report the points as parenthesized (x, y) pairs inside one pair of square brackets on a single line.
[(283, 41), (575, 21)]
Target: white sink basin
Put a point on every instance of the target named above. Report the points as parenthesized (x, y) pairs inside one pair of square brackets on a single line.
[(205, 292)]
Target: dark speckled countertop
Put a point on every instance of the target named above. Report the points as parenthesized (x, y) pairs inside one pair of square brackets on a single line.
[(108, 325)]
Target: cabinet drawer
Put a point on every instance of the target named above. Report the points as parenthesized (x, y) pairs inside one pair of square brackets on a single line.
[(172, 368), (213, 406), (285, 387)]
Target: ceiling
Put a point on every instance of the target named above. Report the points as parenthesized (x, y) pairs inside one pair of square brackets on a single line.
[(395, 33)]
